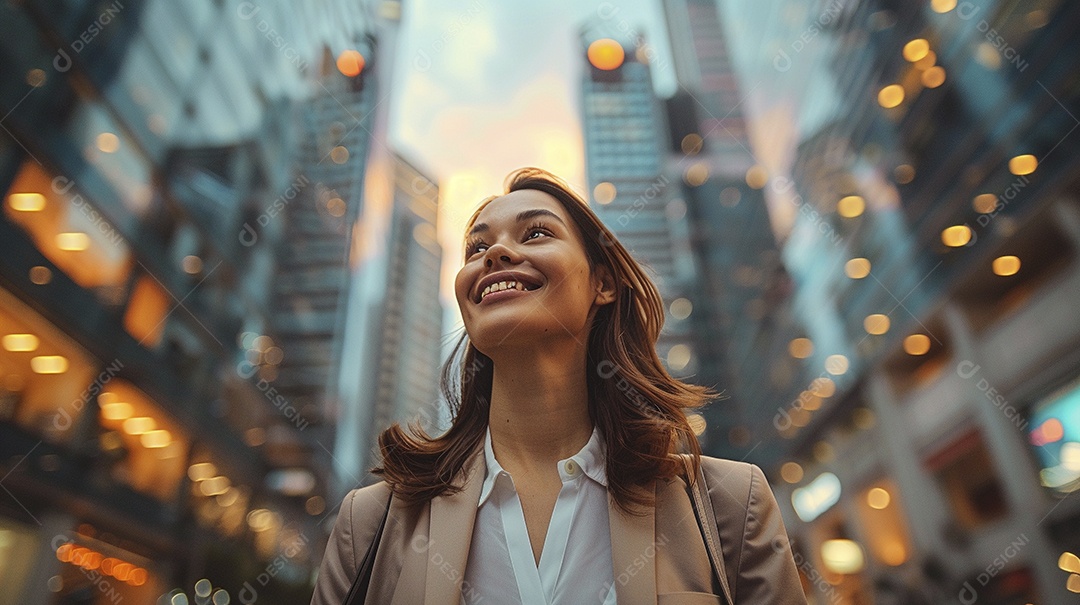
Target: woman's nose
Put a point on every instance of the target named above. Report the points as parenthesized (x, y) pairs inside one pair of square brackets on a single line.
[(497, 251)]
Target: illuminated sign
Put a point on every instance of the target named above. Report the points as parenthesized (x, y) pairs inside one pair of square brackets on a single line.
[(816, 497), (1055, 438)]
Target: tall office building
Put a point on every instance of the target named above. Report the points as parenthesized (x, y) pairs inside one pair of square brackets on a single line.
[(393, 320), (405, 357), (625, 140), (703, 69), (154, 290), (624, 137), (311, 285), (740, 277), (926, 446)]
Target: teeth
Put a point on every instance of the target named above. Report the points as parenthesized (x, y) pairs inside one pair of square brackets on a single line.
[(503, 285)]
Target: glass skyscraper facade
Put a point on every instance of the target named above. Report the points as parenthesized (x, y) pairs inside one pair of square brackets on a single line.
[(739, 274), (631, 191), (927, 217), (182, 182)]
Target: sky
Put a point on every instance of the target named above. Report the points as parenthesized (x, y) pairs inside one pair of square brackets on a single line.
[(485, 87)]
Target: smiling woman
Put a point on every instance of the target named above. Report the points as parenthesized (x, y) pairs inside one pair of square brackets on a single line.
[(570, 470)]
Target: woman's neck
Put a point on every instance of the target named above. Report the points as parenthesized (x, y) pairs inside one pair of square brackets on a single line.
[(539, 408)]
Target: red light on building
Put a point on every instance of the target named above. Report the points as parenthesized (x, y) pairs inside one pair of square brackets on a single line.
[(350, 63)]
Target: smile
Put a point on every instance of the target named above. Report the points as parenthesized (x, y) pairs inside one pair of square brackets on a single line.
[(505, 289)]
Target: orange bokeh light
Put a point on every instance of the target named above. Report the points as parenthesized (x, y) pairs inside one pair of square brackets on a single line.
[(350, 63), (92, 560), (137, 577), (121, 571), (606, 54)]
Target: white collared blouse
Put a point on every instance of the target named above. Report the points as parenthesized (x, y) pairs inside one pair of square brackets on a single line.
[(575, 565)]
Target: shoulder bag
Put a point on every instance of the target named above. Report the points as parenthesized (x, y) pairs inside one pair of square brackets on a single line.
[(706, 518), (358, 591)]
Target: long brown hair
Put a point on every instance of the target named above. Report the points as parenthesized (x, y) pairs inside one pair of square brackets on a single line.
[(638, 407)]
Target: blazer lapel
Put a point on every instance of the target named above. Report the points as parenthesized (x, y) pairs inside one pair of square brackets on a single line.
[(633, 554), (450, 534)]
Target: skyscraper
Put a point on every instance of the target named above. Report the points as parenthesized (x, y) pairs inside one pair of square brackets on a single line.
[(740, 277), (924, 446), (395, 305), (154, 290), (625, 139), (393, 320)]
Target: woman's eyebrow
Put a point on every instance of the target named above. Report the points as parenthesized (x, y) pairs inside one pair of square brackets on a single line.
[(523, 215)]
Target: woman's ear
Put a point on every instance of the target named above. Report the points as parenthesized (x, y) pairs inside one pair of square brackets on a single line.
[(605, 285)]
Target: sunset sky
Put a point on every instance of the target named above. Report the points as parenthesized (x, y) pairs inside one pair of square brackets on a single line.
[(487, 87)]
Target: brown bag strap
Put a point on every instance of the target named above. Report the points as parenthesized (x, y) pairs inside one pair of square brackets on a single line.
[(706, 517), (358, 591)]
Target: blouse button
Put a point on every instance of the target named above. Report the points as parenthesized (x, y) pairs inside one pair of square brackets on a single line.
[(571, 467)]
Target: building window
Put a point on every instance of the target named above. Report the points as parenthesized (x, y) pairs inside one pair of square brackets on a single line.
[(69, 231), (45, 377), (881, 514), (147, 311), (1025, 265), (968, 477), (144, 446)]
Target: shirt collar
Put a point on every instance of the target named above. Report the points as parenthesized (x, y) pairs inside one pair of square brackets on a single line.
[(591, 458)]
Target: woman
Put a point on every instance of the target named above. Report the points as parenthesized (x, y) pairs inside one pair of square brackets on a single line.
[(558, 481)]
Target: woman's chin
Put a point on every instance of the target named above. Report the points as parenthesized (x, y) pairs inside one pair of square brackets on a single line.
[(512, 333)]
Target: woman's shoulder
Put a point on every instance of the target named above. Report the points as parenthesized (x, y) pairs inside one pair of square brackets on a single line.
[(364, 507), (714, 464), (732, 479)]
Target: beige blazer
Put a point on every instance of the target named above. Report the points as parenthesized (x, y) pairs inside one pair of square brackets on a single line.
[(658, 559)]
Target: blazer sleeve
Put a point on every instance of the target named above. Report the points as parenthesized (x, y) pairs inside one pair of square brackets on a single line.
[(357, 522), (766, 571)]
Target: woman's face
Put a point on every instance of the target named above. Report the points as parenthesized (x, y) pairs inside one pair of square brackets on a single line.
[(524, 251)]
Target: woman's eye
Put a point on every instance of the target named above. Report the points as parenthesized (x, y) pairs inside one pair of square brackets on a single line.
[(477, 247)]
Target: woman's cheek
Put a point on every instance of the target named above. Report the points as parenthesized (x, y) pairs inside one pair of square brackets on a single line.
[(461, 288)]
